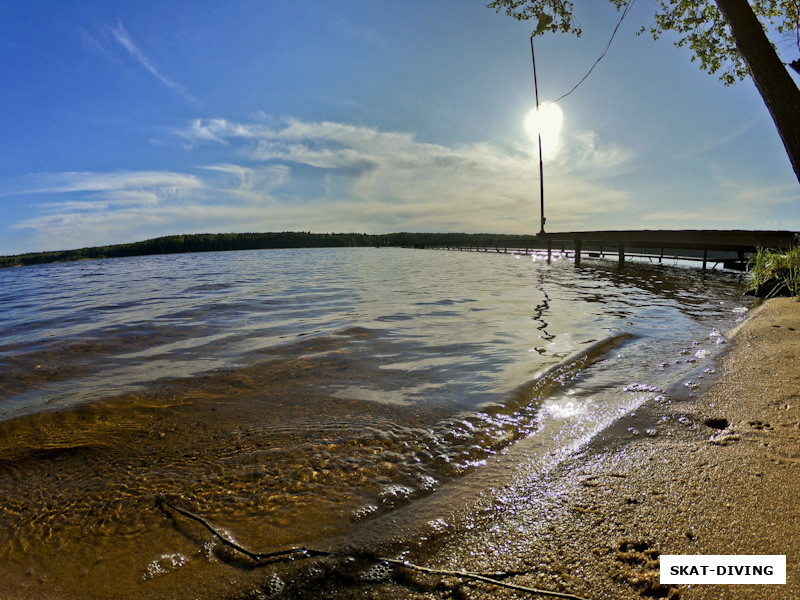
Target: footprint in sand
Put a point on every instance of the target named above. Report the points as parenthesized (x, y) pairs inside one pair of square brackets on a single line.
[(638, 565)]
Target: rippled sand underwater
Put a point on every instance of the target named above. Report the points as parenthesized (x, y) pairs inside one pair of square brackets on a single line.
[(308, 440), (79, 485)]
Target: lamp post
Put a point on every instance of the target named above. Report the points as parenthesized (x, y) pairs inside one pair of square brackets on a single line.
[(541, 163)]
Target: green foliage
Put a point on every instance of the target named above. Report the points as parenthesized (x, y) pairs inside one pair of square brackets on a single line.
[(698, 24), (704, 31), (552, 15), (770, 270)]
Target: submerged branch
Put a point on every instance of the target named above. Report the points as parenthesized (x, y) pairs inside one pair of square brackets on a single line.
[(264, 558)]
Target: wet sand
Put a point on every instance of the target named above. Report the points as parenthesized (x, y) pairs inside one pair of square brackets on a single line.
[(78, 518), (717, 474)]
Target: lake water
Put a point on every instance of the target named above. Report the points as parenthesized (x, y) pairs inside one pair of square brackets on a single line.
[(292, 396)]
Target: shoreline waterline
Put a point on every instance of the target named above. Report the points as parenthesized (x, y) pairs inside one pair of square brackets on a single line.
[(348, 422), (720, 478)]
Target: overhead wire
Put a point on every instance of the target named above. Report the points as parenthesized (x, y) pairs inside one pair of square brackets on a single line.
[(602, 55)]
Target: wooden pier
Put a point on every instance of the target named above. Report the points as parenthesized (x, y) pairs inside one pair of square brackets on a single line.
[(730, 248)]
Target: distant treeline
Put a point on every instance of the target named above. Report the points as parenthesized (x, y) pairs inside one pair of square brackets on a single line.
[(216, 242)]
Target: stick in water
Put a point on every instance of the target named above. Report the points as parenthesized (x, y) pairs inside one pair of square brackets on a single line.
[(261, 558)]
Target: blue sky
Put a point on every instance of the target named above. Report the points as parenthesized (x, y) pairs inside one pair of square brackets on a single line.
[(121, 121)]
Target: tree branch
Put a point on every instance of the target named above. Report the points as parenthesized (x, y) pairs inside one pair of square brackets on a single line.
[(263, 558)]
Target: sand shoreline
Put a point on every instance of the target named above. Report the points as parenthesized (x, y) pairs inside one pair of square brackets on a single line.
[(720, 476)]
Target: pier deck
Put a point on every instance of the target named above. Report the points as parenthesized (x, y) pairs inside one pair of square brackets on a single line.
[(730, 248)]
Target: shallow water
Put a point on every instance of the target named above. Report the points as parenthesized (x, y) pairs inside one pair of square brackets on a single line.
[(292, 396)]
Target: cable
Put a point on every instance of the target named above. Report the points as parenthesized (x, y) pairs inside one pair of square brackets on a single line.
[(614, 33)]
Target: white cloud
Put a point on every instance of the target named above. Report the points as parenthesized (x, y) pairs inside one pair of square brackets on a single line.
[(744, 204), (329, 177), (87, 181), (80, 208), (253, 184), (393, 179), (585, 154), (125, 40)]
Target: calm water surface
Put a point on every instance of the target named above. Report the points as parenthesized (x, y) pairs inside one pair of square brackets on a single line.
[(294, 395)]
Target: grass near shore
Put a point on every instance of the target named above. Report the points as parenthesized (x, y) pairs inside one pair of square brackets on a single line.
[(776, 272)]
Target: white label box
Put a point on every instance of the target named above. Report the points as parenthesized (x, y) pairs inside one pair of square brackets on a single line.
[(761, 569)]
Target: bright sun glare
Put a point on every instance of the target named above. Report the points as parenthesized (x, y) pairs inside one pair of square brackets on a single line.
[(547, 121)]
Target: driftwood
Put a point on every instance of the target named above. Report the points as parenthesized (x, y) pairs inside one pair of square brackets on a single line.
[(264, 558)]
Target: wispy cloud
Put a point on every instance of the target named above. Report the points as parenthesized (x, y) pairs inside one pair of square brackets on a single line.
[(327, 176), (745, 204), (161, 181), (125, 40), (433, 186), (252, 184), (80, 208)]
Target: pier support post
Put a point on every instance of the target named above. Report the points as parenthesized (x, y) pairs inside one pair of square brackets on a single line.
[(705, 259), (549, 250), (578, 244), (621, 254)]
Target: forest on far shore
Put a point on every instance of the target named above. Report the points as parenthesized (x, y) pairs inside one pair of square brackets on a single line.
[(217, 242)]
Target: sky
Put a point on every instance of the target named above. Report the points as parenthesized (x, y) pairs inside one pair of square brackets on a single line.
[(122, 121)]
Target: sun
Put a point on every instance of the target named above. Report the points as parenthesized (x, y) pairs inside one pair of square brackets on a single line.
[(546, 121)]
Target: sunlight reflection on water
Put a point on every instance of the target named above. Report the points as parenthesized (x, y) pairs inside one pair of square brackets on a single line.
[(293, 394)]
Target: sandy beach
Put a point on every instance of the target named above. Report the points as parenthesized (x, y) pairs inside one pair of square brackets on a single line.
[(715, 474), (687, 473)]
